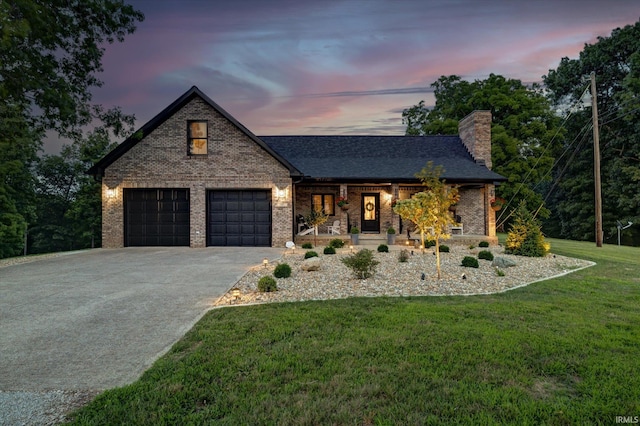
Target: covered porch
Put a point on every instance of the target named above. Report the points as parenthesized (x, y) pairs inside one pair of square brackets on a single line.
[(369, 208)]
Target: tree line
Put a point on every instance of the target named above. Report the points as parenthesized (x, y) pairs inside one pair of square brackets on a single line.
[(542, 137), (50, 53)]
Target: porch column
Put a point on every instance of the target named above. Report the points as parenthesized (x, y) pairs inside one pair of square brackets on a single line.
[(395, 196), (491, 214), (344, 223)]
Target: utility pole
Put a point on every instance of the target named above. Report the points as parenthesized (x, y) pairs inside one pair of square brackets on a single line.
[(596, 160)]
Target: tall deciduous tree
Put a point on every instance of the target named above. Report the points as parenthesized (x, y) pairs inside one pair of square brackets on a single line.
[(429, 209), (522, 130), (615, 60), (50, 53), (18, 142)]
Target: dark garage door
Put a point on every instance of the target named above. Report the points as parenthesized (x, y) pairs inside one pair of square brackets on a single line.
[(156, 217), (239, 218)]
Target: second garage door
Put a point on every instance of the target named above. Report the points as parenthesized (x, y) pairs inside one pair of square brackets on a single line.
[(239, 218)]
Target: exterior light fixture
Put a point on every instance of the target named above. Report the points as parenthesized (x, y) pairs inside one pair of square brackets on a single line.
[(235, 292), (281, 193), (351, 248), (112, 192), (265, 262)]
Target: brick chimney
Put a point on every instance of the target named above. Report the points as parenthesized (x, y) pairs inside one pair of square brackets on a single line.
[(475, 132)]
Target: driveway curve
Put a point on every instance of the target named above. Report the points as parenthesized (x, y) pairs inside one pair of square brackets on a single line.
[(97, 319)]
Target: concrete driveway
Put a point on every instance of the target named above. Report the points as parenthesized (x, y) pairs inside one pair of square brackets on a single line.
[(97, 319)]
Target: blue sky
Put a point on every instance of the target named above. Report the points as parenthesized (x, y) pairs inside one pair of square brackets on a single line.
[(339, 67)]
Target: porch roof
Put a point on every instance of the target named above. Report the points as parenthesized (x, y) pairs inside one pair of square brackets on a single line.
[(379, 158)]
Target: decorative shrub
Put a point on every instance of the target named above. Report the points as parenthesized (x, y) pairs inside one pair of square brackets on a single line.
[(470, 262), (361, 263), (429, 243), (484, 244), (391, 230), (307, 246), (471, 246), (329, 250), (403, 256), (336, 243), (499, 272), (310, 254), (444, 249), (355, 230), (267, 284), (283, 270), (486, 255), (383, 248), (525, 237)]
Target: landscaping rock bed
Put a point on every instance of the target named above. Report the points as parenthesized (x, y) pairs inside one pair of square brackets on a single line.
[(394, 278)]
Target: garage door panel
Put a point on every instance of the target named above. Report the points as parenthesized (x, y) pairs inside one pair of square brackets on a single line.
[(232, 228), (232, 217), (247, 228), (157, 217), (239, 218), (248, 217)]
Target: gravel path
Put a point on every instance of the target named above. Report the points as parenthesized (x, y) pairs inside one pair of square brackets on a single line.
[(393, 278)]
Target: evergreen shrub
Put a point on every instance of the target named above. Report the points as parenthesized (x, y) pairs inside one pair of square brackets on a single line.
[(486, 255), (470, 262), (310, 254), (267, 284), (283, 270)]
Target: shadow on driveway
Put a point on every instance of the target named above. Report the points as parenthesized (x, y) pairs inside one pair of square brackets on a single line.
[(97, 319)]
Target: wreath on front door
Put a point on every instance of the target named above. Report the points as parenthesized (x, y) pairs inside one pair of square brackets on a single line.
[(369, 206)]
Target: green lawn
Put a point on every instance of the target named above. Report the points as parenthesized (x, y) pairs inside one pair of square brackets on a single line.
[(564, 351)]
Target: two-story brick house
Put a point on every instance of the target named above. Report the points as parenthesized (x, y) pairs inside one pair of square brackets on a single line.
[(194, 176)]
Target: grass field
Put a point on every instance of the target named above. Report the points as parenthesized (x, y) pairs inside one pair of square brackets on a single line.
[(563, 351)]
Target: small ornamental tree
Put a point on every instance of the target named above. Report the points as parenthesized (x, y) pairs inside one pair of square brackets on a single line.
[(525, 236), (429, 209), (315, 218)]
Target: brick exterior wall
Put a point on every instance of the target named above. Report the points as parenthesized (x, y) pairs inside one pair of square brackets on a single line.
[(475, 132), (160, 160)]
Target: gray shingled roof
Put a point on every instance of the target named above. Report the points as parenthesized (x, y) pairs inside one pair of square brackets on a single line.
[(379, 158)]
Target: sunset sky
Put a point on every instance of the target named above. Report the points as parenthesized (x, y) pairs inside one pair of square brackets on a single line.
[(339, 67)]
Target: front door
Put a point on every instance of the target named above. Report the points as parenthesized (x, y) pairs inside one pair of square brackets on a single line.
[(370, 212)]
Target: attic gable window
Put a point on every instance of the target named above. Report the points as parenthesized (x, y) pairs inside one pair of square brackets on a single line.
[(197, 137)]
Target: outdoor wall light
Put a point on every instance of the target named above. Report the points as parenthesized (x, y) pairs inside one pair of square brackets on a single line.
[(112, 192), (281, 193)]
